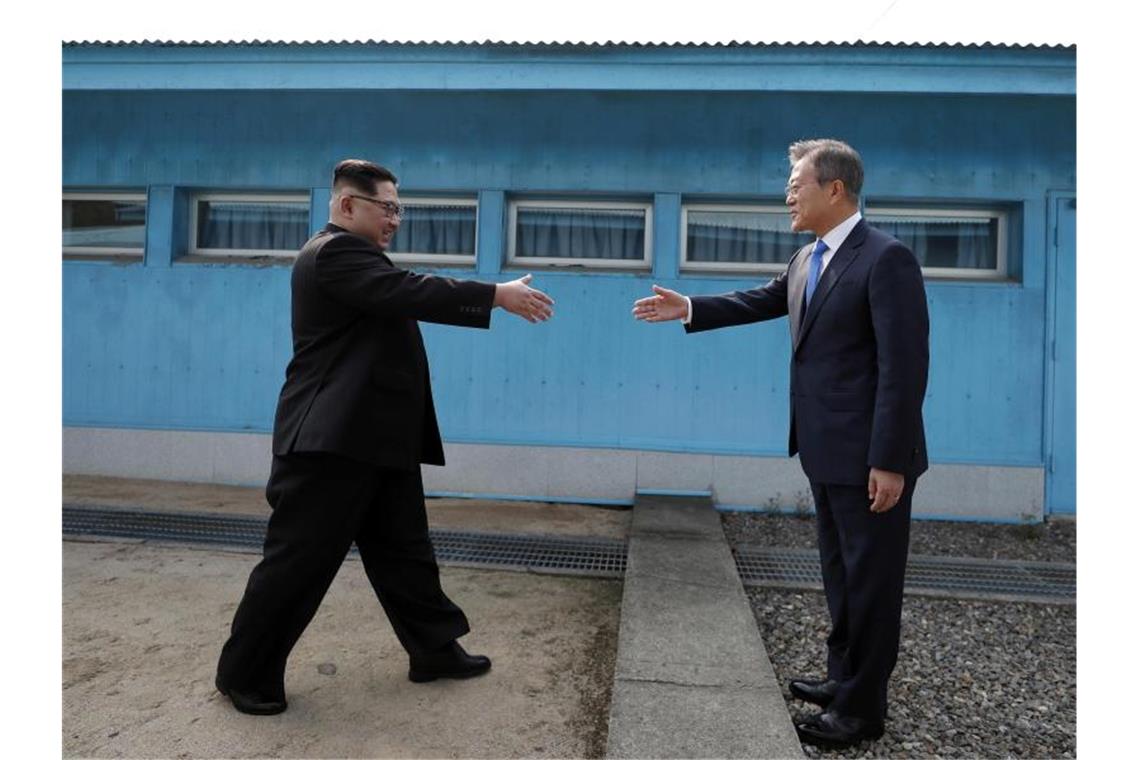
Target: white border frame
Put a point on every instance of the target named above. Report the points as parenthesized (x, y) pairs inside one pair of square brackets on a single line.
[(90, 250), (443, 259), (955, 273), (727, 266), (643, 264), (270, 198)]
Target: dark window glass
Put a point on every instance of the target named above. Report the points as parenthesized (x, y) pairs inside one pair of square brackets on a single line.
[(111, 224), (580, 233), (252, 225), (946, 241), (742, 237), (436, 228)]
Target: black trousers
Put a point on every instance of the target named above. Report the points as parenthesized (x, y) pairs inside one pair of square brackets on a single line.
[(863, 561), (321, 504)]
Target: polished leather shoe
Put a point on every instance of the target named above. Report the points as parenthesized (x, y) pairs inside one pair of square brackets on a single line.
[(827, 729), (451, 661), (252, 703), (817, 692)]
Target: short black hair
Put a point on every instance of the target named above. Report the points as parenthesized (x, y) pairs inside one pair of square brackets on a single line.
[(831, 159), (361, 175)]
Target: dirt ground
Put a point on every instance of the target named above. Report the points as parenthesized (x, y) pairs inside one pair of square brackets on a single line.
[(143, 625), (443, 513)]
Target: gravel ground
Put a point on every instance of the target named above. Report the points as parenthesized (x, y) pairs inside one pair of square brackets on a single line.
[(1051, 541), (974, 679)]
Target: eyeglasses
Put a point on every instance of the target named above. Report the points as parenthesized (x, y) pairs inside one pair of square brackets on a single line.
[(393, 210), (794, 190)]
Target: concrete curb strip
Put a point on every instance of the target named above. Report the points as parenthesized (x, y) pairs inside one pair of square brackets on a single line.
[(693, 678)]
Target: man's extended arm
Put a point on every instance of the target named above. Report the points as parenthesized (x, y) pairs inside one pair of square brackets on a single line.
[(710, 312), (356, 275)]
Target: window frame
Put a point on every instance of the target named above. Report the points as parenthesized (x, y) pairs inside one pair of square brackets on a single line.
[(89, 251), (1001, 270), (727, 266), (895, 208), (643, 264), (441, 259), (195, 250)]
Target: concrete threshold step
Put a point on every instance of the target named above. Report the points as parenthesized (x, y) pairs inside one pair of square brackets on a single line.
[(693, 678)]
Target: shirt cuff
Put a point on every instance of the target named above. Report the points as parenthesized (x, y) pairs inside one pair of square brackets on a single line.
[(688, 311)]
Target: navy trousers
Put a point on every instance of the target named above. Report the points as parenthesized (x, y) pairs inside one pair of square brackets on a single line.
[(863, 562), (322, 504)]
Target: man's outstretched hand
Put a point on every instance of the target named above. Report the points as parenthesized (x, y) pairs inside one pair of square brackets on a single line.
[(519, 298), (666, 305)]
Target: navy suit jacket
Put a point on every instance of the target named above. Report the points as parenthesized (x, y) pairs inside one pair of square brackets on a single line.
[(860, 355), (358, 383)]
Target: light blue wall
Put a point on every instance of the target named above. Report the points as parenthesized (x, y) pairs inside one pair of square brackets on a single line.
[(179, 345)]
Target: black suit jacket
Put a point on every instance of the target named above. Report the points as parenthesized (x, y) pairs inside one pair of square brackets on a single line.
[(358, 383), (860, 355)]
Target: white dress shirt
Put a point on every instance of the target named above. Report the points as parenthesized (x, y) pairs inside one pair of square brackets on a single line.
[(834, 238)]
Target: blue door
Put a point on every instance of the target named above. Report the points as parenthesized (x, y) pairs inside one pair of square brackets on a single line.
[(1061, 475)]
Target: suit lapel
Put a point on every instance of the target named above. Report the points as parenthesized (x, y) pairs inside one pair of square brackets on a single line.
[(797, 281), (834, 272)]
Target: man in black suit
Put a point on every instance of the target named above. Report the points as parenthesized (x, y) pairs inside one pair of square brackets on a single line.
[(354, 421), (860, 328)]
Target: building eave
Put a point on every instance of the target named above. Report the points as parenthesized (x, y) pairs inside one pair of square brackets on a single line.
[(731, 67)]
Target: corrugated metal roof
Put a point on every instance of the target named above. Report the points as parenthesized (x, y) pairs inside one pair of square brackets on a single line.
[(567, 44)]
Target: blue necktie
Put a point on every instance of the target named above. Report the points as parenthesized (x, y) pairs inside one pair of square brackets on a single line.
[(816, 265)]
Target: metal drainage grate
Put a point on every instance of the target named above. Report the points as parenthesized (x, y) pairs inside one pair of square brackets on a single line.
[(585, 556), (958, 577), (195, 528), (575, 556), (938, 576)]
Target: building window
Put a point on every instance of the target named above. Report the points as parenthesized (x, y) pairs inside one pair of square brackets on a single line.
[(249, 225), (104, 224), (580, 233), (960, 243), (948, 242), (436, 231), (724, 237)]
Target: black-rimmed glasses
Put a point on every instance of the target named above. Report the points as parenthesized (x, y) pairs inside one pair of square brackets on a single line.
[(394, 210)]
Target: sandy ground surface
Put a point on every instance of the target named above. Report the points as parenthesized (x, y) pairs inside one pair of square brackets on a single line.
[(143, 625), (447, 514)]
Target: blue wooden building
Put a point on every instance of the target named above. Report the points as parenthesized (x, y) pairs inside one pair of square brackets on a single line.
[(192, 172)]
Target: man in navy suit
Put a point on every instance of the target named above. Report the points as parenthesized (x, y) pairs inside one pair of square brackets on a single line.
[(860, 356)]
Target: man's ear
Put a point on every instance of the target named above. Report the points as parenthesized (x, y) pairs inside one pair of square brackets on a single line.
[(836, 191)]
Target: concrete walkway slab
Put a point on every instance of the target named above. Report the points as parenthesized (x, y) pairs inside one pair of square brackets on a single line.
[(693, 678)]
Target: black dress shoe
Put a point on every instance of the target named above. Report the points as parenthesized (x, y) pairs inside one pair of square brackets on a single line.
[(448, 662), (252, 703), (817, 692), (831, 730)]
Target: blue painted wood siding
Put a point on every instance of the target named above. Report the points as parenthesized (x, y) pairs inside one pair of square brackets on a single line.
[(183, 345)]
